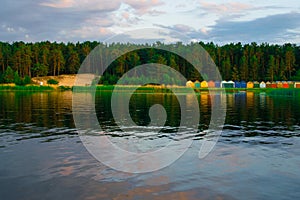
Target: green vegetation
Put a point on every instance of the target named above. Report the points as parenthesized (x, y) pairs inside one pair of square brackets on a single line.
[(25, 88), (11, 76), (150, 89), (64, 88), (246, 62), (161, 89), (52, 82)]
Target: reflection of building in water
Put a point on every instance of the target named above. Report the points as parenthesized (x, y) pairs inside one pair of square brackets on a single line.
[(240, 98), (250, 99), (190, 100), (230, 99), (204, 101), (262, 99)]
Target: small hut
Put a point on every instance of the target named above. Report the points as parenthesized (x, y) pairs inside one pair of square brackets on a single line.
[(197, 84), (227, 84), (243, 84), (256, 84), (217, 84), (204, 84), (262, 85), (237, 84), (211, 84), (273, 85), (297, 85), (285, 84), (250, 84), (231, 84), (223, 83), (279, 84), (190, 84), (268, 84), (291, 84)]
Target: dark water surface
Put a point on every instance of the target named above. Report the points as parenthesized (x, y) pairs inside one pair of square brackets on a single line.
[(257, 156)]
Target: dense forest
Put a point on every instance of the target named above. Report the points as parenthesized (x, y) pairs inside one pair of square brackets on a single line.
[(235, 61)]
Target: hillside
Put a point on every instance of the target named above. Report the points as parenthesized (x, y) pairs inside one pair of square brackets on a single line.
[(64, 80)]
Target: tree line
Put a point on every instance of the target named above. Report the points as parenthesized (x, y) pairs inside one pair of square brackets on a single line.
[(236, 61)]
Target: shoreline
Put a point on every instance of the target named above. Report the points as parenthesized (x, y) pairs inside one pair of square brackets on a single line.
[(139, 89)]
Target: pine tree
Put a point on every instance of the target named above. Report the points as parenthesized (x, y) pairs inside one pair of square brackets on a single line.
[(271, 67)]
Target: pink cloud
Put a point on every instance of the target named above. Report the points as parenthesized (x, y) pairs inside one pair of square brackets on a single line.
[(143, 7), (103, 5), (60, 4), (230, 7), (91, 32)]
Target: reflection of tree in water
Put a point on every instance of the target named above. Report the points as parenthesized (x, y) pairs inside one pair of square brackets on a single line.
[(141, 103), (263, 112), (44, 109)]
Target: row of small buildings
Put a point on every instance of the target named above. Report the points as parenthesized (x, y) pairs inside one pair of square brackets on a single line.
[(243, 84)]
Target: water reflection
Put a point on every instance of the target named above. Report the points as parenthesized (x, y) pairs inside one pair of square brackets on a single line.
[(249, 114), (257, 154), (43, 109), (25, 115), (262, 118)]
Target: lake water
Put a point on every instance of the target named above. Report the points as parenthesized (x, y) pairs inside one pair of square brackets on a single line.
[(256, 157)]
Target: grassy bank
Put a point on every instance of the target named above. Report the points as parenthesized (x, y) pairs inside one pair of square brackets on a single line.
[(145, 89), (160, 89), (11, 87), (25, 88)]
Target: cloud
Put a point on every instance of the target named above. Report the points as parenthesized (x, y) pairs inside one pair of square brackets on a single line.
[(233, 10), (182, 28), (64, 20), (185, 33), (225, 8), (274, 29), (94, 16), (90, 33), (78, 20), (156, 12), (103, 5), (60, 4), (143, 7)]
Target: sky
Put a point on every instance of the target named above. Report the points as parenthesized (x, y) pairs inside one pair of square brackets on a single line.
[(271, 21)]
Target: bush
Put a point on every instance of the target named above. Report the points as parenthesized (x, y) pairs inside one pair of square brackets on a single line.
[(64, 88), (9, 75), (17, 79), (21, 81), (52, 82), (26, 80)]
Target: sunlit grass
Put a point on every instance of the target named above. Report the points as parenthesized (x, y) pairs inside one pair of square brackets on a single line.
[(25, 88), (147, 89)]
